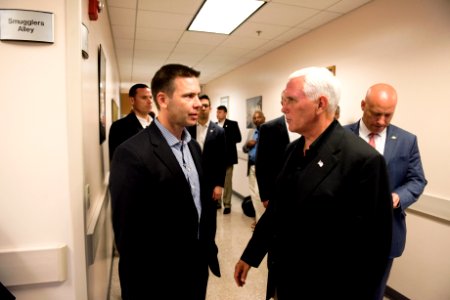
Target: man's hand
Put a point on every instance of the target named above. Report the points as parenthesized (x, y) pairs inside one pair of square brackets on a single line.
[(395, 200), (217, 193), (240, 272)]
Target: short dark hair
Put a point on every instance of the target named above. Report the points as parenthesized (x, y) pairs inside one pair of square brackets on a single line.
[(204, 96), (163, 79), (133, 90), (222, 107)]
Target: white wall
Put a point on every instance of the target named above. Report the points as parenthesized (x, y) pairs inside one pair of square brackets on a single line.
[(405, 43), (50, 152)]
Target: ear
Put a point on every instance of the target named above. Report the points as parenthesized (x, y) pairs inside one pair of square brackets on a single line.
[(363, 104), (162, 99), (322, 104)]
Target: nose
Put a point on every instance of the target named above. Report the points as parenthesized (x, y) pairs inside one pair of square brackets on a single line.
[(381, 121), (283, 106)]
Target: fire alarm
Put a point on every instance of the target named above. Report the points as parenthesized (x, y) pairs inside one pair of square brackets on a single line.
[(95, 7)]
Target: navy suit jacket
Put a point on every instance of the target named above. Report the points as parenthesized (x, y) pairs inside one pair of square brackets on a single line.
[(121, 130), (331, 215), (273, 139), (232, 136), (406, 177), (213, 155), (155, 221)]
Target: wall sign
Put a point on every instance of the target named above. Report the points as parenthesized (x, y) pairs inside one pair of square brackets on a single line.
[(26, 25)]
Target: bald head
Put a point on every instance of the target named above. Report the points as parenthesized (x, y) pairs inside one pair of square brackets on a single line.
[(379, 106)]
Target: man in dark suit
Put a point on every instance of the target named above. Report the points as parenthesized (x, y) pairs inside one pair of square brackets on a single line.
[(141, 116), (273, 139), (232, 137), (328, 226), (401, 152), (164, 222), (211, 138)]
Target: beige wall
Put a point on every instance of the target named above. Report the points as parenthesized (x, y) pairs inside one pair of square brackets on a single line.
[(50, 153), (405, 43)]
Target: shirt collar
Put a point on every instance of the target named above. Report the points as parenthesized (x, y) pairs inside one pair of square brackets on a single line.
[(170, 138)]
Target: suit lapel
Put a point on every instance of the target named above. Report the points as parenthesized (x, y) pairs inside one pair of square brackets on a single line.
[(321, 165), (162, 150), (391, 144), (209, 132)]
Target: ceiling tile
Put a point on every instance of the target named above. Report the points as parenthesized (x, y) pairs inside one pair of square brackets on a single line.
[(158, 36)]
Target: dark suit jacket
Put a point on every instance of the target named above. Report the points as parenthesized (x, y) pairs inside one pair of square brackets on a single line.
[(273, 139), (406, 177), (155, 221), (232, 136), (213, 155), (329, 225), (121, 130)]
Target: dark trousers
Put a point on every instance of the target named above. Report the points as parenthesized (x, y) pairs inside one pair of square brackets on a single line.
[(380, 290)]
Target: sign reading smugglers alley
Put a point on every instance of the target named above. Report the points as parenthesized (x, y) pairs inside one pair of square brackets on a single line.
[(26, 25)]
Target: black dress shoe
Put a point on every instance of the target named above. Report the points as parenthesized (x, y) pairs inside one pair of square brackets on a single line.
[(226, 211)]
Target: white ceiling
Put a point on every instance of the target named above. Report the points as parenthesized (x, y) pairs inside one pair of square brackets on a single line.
[(150, 33)]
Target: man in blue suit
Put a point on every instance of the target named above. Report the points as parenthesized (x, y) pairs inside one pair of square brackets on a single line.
[(401, 152)]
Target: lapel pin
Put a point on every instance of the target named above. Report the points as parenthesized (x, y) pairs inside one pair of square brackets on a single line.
[(320, 163), (393, 137)]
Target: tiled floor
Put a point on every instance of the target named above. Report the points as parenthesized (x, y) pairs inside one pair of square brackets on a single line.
[(233, 232)]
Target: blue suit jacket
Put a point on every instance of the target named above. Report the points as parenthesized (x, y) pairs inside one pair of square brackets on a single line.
[(406, 177)]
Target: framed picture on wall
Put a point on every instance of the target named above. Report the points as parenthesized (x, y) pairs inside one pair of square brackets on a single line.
[(225, 101), (253, 104), (102, 93), (332, 69)]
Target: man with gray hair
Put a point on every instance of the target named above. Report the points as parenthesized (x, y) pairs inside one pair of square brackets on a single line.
[(328, 227)]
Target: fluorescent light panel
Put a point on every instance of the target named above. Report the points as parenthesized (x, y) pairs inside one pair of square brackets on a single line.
[(223, 16)]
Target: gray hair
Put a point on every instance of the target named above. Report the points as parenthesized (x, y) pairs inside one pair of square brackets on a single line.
[(319, 81)]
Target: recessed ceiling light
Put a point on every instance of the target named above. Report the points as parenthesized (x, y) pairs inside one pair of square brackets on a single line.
[(224, 16)]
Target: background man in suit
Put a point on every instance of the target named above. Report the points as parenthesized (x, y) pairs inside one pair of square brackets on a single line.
[(273, 139), (211, 138), (401, 152), (156, 189), (328, 226), (232, 137), (141, 116), (250, 147)]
